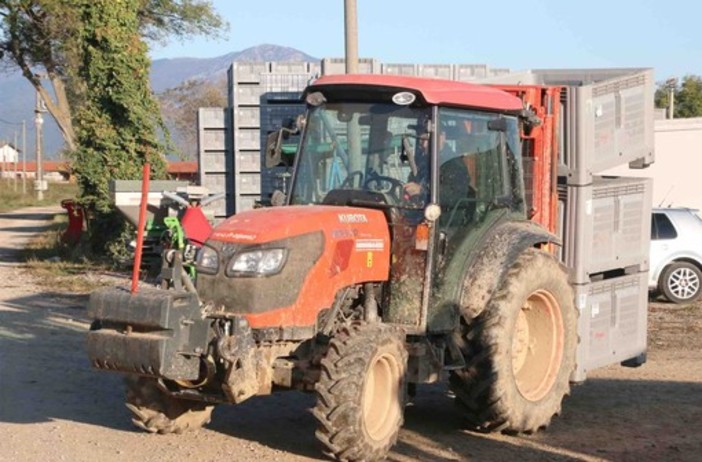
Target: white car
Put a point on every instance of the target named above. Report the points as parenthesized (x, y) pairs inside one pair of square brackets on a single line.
[(676, 254)]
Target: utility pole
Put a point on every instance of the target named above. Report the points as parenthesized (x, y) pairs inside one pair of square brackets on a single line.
[(672, 85), (38, 122), (14, 174), (24, 158), (351, 29), (351, 38)]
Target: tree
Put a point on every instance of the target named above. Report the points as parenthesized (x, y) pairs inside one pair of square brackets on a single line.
[(118, 120), (179, 106), (687, 96), (40, 37)]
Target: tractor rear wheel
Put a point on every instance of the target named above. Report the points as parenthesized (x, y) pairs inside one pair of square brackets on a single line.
[(156, 412), (520, 351), (361, 392)]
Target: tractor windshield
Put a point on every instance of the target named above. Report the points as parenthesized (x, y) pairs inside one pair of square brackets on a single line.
[(365, 148)]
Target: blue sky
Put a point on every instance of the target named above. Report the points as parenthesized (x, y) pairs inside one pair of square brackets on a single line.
[(516, 35)]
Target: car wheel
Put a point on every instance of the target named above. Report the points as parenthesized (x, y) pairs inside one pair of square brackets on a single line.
[(681, 282)]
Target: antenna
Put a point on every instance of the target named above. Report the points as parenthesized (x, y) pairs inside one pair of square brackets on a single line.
[(660, 204)]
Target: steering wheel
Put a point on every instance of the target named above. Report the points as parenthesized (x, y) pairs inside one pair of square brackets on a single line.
[(348, 182), (386, 185)]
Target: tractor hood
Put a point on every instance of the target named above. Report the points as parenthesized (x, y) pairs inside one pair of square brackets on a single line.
[(271, 224), (317, 251)]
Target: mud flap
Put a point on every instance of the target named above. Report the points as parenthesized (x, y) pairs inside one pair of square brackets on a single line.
[(157, 333)]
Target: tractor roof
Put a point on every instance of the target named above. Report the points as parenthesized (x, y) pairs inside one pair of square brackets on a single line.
[(434, 91)]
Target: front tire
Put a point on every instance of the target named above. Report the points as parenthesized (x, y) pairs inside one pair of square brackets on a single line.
[(361, 392), (520, 351), (680, 282), (156, 412)]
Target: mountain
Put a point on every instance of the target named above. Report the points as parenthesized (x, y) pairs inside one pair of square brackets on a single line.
[(17, 96), (168, 73)]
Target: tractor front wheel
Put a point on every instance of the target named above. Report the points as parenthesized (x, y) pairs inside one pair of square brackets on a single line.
[(361, 392)]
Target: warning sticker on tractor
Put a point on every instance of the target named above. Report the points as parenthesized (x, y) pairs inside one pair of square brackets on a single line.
[(374, 245), (369, 259), (233, 236)]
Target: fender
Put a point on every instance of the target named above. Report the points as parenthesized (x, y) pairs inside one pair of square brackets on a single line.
[(498, 252)]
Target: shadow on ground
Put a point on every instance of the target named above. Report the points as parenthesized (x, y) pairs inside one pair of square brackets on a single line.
[(46, 376)]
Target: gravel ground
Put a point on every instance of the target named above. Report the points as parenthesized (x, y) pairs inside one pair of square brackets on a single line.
[(54, 407)]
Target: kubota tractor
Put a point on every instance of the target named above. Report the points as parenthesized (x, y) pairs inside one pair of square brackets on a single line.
[(403, 254)]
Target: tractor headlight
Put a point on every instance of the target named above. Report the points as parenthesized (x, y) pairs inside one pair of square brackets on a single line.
[(262, 262), (207, 260)]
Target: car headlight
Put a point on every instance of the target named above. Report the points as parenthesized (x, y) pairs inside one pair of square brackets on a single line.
[(207, 260), (262, 262)]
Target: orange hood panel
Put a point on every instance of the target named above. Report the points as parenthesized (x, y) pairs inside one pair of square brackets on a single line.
[(356, 250)]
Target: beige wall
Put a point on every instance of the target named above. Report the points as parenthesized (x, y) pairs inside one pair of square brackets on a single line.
[(677, 172)]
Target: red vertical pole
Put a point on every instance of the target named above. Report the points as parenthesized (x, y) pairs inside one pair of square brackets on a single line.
[(142, 226)]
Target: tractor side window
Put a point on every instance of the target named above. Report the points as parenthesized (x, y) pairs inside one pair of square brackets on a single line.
[(473, 173)]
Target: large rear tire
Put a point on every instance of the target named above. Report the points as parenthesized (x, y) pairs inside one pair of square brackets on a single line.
[(361, 392), (156, 412), (520, 351)]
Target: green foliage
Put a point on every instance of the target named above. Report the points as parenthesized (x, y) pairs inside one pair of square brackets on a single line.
[(687, 96), (118, 120), (159, 19), (94, 55)]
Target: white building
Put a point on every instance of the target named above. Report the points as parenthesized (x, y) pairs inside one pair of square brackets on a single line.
[(677, 170), (8, 153)]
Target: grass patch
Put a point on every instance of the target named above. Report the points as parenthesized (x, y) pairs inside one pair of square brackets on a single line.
[(66, 269), (11, 197)]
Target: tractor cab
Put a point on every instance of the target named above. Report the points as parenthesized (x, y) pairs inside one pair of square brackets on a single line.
[(441, 159)]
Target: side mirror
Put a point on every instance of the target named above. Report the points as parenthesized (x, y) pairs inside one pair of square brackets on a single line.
[(276, 152), (274, 148), (497, 125), (278, 198)]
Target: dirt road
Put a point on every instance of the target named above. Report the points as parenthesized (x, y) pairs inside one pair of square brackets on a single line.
[(54, 407)]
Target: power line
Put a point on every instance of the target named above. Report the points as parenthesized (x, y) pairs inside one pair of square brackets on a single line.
[(10, 123)]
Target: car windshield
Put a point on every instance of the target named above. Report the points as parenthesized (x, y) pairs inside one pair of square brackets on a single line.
[(367, 147)]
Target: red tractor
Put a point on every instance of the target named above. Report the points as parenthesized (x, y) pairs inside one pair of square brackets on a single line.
[(404, 253)]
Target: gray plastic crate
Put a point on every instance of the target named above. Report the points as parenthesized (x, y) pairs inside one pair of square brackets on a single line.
[(218, 209), (608, 117), (607, 227), (215, 182), (248, 161), (248, 94), (332, 66), (470, 72), (247, 117), (496, 72), (612, 323), (249, 72), (248, 183), (247, 139), (435, 71), (290, 67), (399, 69), (214, 143), (214, 139), (246, 202), (286, 83), (215, 162)]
